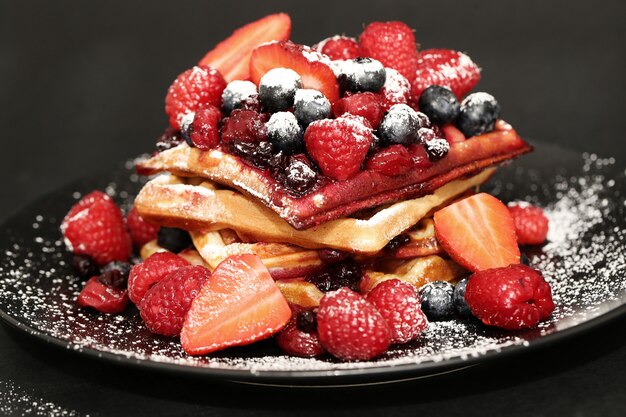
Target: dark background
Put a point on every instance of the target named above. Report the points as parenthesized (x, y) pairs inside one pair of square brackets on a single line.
[(82, 86)]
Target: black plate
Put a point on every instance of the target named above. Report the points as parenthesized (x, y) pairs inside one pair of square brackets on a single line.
[(584, 260)]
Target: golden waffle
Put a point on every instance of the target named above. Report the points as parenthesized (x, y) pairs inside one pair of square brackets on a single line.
[(170, 201)]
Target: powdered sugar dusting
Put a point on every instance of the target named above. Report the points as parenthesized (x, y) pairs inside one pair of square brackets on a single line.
[(14, 400), (584, 261)]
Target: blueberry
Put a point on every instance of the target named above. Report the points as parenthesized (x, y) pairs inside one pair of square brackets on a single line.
[(478, 114), (173, 239), (436, 148), (115, 274), (437, 300), (362, 74), (284, 131), (459, 298), (399, 125), (235, 92), (84, 266), (277, 89), (306, 320), (299, 176), (310, 105), (257, 154), (439, 104), (185, 127)]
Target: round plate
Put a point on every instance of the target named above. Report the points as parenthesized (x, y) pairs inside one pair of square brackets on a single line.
[(584, 260)]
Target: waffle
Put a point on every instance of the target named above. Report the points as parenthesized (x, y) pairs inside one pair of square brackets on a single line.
[(171, 201), (332, 200)]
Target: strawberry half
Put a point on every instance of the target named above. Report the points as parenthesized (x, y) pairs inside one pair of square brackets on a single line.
[(307, 62), (478, 233), (231, 57), (238, 305)]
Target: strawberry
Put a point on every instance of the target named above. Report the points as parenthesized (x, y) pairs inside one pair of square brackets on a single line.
[(312, 66), (238, 305), (447, 68), (393, 160), (339, 47), (513, 297), (166, 303), (367, 105), (531, 224), (152, 270), (104, 298), (194, 89), (340, 145), (351, 328), (478, 233), (231, 57), (393, 44), (95, 227), (141, 231)]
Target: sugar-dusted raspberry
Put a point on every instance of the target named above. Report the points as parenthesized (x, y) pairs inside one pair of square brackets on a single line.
[(399, 304), (204, 130), (351, 328), (244, 126), (531, 224), (393, 160), (368, 105), (339, 47), (339, 146), (166, 303), (396, 90), (103, 298), (192, 90), (512, 297), (300, 340), (140, 230), (153, 269), (95, 227), (393, 44)]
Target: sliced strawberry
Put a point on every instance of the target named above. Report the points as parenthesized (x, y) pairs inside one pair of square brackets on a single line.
[(232, 55), (478, 233), (238, 305), (309, 63)]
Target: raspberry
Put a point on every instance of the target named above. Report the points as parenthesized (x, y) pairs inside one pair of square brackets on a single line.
[(351, 328), (531, 224), (104, 298), (399, 303), (446, 68), (204, 130), (396, 90), (194, 89), (244, 126), (367, 105), (339, 47), (297, 340), (391, 161), (165, 305), (512, 297), (339, 146), (420, 156), (152, 270), (140, 230), (95, 227), (393, 44)]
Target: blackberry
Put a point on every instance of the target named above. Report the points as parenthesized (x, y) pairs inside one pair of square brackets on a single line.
[(361, 74), (169, 139), (284, 131), (478, 114), (310, 105), (277, 89), (84, 266), (115, 274), (258, 155), (235, 92), (439, 104), (306, 320), (399, 125), (344, 274), (173, 239), (459, 298), (437, 300), (436, 148), (299, 176)]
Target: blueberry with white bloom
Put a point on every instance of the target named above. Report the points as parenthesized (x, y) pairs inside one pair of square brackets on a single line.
[(400, 125), (310, 105), (284, 131), (235, 92), (361, 74), (277, 89)]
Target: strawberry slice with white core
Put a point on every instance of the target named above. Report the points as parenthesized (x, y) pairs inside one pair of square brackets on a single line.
[(478, 233), (238, 305), (312, 66), (232, 55)]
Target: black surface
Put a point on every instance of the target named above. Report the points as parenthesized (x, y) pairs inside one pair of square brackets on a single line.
[(82, 87)]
